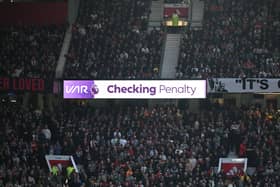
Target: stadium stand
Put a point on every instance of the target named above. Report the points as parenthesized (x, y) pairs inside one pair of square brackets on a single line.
[(137, 146), (30, 51), (238, 39), (111, 41)]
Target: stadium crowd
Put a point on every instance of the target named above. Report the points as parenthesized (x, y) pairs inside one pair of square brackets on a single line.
[(138, 146), (238, 39), (30, 51), (111, 41)]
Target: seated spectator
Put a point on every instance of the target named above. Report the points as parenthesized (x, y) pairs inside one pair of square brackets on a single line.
[(111, 41), (161, 148), (30, 51), (238, 39)]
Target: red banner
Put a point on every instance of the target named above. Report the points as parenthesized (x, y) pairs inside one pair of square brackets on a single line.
[(31, 13), (32, 85), (181, 9), (22, 84), (232, 166)]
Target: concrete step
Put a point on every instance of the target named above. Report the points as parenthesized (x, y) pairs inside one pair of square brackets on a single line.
[(197, 13), (156, 15), (232, 155), (170, 57)]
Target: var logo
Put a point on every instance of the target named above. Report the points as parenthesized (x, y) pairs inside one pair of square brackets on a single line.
[(80, 89)]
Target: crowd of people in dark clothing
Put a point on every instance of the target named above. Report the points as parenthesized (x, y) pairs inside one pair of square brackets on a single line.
[(30, 51), (138, 146), (110, 41), (238, 39)]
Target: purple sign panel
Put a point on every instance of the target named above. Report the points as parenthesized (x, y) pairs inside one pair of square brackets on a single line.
[(84, 89), (134, 89)]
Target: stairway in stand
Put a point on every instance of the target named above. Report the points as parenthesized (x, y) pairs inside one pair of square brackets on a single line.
[(171, 55), (156, 16), (197, 13)]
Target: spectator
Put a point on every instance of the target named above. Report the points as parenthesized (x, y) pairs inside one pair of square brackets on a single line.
[(114, 43), (161, 148), (30, 51), (238, 39)]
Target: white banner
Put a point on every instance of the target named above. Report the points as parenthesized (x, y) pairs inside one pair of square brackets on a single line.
[(247, 85), (134, 89)]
